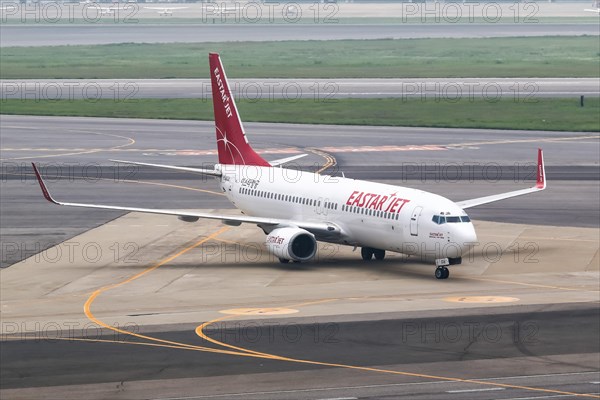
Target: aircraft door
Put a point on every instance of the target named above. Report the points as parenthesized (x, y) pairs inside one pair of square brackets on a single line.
[(414, 221), (226, 183)]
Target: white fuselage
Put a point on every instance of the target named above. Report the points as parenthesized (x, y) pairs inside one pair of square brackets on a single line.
[(369, 214)]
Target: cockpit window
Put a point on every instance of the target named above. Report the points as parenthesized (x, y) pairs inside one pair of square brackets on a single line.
[(441, 219)]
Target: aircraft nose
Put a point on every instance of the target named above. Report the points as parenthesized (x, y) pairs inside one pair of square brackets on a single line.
[(467, 236)]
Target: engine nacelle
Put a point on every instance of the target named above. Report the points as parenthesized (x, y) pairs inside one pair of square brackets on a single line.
[(292, 244)]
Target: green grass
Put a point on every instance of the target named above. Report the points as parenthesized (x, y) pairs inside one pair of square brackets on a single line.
[(420, 58), (542, 114)]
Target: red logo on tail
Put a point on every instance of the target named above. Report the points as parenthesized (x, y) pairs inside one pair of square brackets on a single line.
[(232, 143)]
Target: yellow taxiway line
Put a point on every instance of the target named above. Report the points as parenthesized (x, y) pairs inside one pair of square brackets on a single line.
[(245, 352)]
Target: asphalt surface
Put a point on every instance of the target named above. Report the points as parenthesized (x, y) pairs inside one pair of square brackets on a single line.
[(54, 35), (459, 164), (291, 89), (433, 349), (393, 341)]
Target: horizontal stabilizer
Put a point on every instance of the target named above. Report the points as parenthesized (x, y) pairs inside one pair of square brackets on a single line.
[(286, 160), (188, 169)]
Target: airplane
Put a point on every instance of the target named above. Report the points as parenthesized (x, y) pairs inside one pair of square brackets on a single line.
[(165, 11), (295, 209), (109, 10)]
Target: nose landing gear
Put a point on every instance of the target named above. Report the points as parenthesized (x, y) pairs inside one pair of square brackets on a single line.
[(442, 272)]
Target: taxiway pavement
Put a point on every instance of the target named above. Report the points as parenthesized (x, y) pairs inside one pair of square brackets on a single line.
[(146, 306), (161, 308), (323, 90)]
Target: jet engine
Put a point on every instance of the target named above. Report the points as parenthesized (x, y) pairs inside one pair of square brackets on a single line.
[(291, 244)]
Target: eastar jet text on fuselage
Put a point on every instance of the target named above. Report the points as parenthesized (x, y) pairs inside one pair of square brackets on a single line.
[(297, 209)]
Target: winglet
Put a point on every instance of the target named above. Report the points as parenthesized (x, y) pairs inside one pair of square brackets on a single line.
[(43, 185), (541, 171), (540, 184)]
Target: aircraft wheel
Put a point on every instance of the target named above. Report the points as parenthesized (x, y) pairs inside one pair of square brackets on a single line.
[(442, 273), (379, 254), (284, 260), (366, 253)]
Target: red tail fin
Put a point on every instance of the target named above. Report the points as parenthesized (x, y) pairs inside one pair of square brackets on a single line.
[(232, 143)]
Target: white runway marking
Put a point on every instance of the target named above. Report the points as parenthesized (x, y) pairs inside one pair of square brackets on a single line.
[(209, 396), (475, 390)]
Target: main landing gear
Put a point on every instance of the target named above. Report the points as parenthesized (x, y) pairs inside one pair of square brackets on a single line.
[(286, 261), (367, 253)]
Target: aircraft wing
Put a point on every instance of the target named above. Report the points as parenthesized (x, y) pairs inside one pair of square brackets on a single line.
[(191, 216), (187, 169), (540, 185)]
